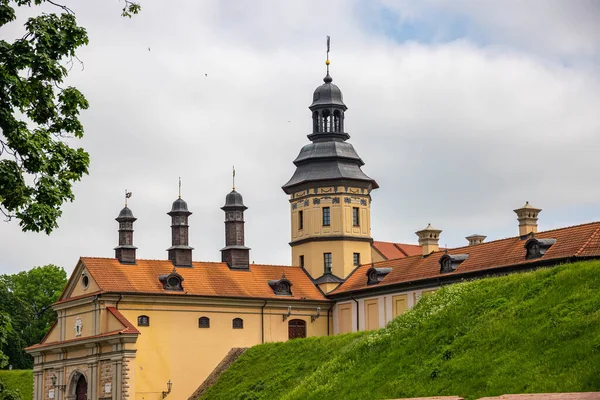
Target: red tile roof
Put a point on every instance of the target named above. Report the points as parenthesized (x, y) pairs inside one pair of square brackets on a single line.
[(571, 242), (129, 328), (391, 251), (203, 279)]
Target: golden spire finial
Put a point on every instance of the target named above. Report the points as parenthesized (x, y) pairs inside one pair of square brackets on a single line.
[(179, 187), (233, 185)]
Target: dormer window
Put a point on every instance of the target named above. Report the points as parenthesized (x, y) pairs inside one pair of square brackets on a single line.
[(376, 275), (449, 262), (536, 248), (172, 281), (281, 286)]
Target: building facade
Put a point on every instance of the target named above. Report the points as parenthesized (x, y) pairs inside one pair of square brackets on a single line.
[(131, 328)]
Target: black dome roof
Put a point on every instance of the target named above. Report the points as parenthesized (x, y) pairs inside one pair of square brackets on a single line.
[(328, 94), (234, 199), (179, 206), (126, 214)]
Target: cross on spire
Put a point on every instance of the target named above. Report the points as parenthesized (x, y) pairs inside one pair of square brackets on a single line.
[(233, 179)]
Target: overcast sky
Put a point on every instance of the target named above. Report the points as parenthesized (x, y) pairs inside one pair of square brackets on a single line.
[(461, 110)]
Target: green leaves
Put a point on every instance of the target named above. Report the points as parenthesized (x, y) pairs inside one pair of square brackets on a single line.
[(5, 330), (39, 119), (26, 298), (130, 9)]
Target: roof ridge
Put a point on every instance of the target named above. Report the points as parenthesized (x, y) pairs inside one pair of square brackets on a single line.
[(495, 241), (198, 262), (402, 251), (518, 237), (587, 241), (394, 243)]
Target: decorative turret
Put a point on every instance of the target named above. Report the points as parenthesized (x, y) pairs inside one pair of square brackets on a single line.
[(329, 193), (180, 253), (429, 239), (235, 254), (527, 217), (125, 251)]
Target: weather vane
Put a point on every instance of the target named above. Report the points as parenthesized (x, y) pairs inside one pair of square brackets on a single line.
[(179, 187), (127, 195), (327, 61), (233, 185)]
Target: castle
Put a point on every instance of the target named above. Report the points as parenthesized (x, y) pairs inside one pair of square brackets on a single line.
[(131, 328)]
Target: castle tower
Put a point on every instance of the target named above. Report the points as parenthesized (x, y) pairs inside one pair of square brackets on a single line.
[(180, 253), (235, 253), (329, 195)]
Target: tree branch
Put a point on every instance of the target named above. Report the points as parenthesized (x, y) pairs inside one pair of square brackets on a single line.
[(67, 9)]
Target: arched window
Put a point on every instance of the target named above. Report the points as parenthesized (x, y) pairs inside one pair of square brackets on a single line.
[(143, 320), (203, 322), (326, 121), (315, 121), (336, 121), (238, 323)]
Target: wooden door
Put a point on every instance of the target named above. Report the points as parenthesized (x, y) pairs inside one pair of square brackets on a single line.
[(296, 329), (81, 389)]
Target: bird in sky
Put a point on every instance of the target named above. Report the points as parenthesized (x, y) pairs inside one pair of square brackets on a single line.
[(148, 48)]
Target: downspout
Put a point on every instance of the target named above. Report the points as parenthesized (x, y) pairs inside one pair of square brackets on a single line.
[(357, 324), (120, 298), (328, 311), (262, 321)]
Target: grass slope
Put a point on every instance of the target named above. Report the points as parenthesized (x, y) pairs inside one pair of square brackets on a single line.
[(18, 380), (523, 333)]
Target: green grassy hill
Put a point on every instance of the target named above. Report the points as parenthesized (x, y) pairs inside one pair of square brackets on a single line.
[(523, 333), (21, 380)]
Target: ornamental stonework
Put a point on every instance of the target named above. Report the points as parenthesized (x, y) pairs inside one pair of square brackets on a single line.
[(106, 371)]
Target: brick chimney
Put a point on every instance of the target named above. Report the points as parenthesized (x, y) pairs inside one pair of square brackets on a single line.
[(475, 239), (428, 239), (125, 251), (527, 217)]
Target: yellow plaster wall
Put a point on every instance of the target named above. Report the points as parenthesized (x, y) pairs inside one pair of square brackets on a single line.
[(79, 289), (341, 252), (85, 313), (345, 318), (53, 335), (340, 216), (376, 256), (113, 324), (174, 347), (328, 287)]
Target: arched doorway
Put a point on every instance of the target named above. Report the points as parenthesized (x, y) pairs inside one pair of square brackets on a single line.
[(296, 329), (81, 388)]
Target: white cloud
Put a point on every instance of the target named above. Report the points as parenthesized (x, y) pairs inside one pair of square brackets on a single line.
[(457, 134)]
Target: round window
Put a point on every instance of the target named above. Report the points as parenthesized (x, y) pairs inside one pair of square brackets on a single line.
[(173, 281), (85, 281)]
